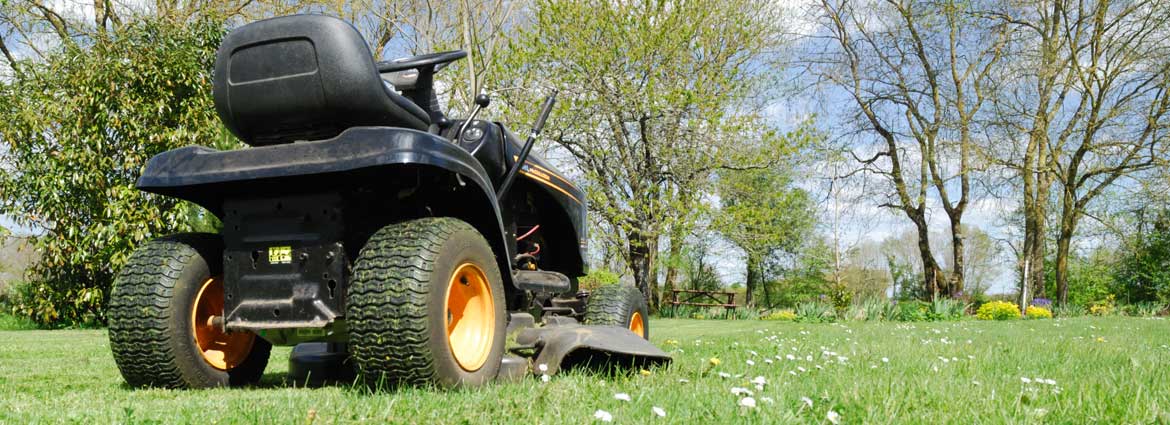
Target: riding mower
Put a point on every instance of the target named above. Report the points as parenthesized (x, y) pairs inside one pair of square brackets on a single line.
[(367, 229)]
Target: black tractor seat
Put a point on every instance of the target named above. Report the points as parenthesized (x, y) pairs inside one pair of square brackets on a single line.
[(304, 77)]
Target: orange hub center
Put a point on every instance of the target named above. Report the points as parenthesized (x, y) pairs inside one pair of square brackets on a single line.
[(637, 325), (471, 317), (220, 349)]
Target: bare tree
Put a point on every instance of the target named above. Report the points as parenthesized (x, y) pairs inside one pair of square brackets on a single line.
[(917, 73), (1089, 93)]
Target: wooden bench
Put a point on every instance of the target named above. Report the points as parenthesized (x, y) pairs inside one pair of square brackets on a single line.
[(700, 298)]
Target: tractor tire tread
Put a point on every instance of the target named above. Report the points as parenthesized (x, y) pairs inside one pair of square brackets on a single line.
[(387, 301), (140, 307)]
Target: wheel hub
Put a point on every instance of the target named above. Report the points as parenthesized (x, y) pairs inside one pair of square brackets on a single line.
[(221, 350), (637, 324), (470, 317)]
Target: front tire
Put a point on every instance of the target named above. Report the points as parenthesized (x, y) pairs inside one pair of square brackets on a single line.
[(619, 305), (159, 315), (426, 306)]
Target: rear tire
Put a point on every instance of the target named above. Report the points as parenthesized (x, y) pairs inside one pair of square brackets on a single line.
[(152, 310), (619, 305), (426, 306)]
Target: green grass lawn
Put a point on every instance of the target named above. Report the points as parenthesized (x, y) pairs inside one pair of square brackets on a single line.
[(1106, 370)]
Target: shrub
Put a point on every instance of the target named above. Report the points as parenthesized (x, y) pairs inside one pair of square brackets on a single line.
[(998, 310), (1069, 310), (947, 309), (1147, 309), (912, 311), (814, 312), (597, 278), (1104, 307), (785, 315), (871, 309), (1037, 312), (77, 128)]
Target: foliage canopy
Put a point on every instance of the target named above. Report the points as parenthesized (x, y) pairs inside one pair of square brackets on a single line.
[(76, 128)]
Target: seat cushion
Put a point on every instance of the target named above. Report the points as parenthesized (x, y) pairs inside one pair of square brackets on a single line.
[(303, 77)]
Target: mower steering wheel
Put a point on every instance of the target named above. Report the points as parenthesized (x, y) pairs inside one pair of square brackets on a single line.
[(438, 60)]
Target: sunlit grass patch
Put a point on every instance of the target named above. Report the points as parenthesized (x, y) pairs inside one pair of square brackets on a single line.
[(1103, 370)]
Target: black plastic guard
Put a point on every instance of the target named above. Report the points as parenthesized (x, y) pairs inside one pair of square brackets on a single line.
[(284, 263), (209, 177), (565, 347), (204, 175)]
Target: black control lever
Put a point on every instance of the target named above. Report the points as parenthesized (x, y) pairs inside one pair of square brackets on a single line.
[(536, 128), (481, 101)]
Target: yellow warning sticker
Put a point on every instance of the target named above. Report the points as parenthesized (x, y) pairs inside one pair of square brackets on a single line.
[(279, 255)]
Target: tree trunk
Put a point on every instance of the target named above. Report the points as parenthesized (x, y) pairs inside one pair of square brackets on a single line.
[(930, 268), (640, 264), (752, 276), (956, 282), (764, 283), (677, 237), (1068, 225)]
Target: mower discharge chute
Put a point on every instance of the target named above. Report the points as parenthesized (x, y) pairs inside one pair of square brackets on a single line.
[(366, 228)]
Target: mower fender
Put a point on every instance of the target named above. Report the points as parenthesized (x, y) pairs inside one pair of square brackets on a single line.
[(566, 346), (207, 176)]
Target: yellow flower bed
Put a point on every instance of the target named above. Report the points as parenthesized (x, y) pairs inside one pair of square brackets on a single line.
[(787, 315), (998, 310), (1035, 312)]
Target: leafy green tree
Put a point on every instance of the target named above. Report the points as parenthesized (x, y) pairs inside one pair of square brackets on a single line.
[(654, 97), (76, 127), (1144, 271), (763, 213), (804, 275)]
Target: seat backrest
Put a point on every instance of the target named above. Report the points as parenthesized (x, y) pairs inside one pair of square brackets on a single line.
[(302, 77)]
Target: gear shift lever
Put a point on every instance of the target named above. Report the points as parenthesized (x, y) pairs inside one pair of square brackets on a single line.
[(481, 101)]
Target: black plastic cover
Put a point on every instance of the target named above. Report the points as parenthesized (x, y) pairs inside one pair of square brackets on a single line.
[(303, 77)]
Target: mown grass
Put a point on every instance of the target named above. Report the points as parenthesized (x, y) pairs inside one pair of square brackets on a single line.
[(1106, 370), (12, 323)]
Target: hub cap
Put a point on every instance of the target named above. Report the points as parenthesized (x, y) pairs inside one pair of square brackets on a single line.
[(637, 325), (471, 317), (220, 349)]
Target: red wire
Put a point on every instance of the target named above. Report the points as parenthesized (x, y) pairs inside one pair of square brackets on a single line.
[(530, 232)]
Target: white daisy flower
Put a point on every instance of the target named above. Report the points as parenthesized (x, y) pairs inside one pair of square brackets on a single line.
[(748, 402), (833, 417), (807, 402), (622, 396), (658, 411), (885, 359), (1025, 380), (603, 416), (544, 378), (741, 391), (543, 367)]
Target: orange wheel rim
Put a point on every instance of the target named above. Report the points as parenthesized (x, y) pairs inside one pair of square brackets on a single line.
[(470, 317), (220, 349), (637, 324)]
